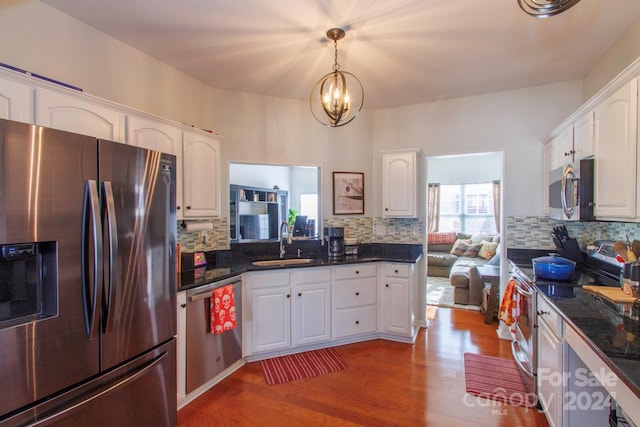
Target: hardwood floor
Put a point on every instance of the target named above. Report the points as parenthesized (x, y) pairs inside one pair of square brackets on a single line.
[(386, 384)]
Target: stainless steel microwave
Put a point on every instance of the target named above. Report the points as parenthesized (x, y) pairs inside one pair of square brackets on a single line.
[(571, 191)]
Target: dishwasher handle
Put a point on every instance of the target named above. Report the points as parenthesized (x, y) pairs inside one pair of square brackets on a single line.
[(205, 292)]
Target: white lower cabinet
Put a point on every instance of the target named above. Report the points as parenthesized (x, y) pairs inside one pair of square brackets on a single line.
[(311, 301), (355, 300), (550, 363), (287, 308), (314, 307), (396, 314), (268, 322)]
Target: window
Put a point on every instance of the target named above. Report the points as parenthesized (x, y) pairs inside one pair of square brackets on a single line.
[(467, 208)]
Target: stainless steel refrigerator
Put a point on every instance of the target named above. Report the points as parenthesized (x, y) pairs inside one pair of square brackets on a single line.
[(87, 281)]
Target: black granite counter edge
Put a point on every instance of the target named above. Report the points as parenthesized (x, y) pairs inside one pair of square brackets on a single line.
[(633, 386), (238, 260)]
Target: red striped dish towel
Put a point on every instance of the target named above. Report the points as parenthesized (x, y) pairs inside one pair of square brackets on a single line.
[(222, 316)]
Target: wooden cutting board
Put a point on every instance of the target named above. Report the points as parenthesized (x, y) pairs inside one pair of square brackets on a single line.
[(614, 294)]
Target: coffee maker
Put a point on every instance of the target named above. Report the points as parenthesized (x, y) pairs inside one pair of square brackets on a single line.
[(334, 236)]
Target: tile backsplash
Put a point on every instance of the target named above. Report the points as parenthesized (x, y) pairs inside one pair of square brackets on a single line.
[(215, 239), (365, 229), (530, 232), (533, 232)]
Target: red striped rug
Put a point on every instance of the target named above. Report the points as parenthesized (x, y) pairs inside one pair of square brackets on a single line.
[(308, 364), (497, 379)]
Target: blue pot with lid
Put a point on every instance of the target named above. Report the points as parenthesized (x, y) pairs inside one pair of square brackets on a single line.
[(553, 267)]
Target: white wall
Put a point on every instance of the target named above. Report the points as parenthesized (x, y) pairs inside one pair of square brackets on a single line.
[(263, 176), (465, 168), (257, 129), (513, 122), (612, 63)]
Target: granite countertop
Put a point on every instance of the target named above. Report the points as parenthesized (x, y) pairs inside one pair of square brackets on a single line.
[(605, 331), (225, 264), (614, 337)]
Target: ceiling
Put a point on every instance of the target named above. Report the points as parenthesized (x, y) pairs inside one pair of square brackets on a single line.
[(404, 51)]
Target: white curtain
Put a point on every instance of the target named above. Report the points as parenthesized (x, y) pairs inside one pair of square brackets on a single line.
[(433, 204), (496, 204)]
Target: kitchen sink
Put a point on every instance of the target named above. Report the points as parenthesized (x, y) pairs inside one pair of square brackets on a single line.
[(287, 261)]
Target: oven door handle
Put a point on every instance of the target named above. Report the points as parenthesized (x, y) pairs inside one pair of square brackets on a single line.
[(207, 293), (514, 345), (522, 291)]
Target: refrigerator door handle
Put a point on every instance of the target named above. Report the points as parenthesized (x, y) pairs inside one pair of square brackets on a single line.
[(112, 239), (91, 231), (58, 416)]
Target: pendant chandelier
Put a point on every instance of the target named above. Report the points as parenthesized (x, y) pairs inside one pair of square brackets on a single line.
[(338, 97), (545, 8)]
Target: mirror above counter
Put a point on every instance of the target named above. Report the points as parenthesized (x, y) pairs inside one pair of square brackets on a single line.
[(262, 197)]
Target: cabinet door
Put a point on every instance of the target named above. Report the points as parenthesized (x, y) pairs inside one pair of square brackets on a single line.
[(161, 136), (399, 184), (201, 185), (181, 344), (615, 154), (16, 101), (564, 147), (396, 306), (271, 319), (311, 313), (583, 136), (75, 113), (550, 384)]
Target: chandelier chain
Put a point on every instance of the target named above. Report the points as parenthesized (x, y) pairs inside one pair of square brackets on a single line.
[(336, 66)]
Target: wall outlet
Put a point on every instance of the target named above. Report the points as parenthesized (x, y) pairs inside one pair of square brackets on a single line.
[(416, 230), (380, 230)]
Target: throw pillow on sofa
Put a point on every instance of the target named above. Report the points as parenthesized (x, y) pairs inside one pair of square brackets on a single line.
[(488, 249), (473, 250), (460, 246)]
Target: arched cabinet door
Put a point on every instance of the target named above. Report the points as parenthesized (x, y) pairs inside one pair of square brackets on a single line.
[(79, 114), (154, 134), (201, 166), (399, 184)]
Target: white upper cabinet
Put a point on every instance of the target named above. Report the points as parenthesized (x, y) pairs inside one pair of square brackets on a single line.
[(583, 136), (154, 134), (400, 184), (79, 114), (615, 154), (563, 145), (201, 171), (16, 101)]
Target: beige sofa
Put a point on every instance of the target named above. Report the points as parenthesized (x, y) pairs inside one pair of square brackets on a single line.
[(459, 261)]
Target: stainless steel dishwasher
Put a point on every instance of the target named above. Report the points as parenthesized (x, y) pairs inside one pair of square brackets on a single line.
[(209, 354)]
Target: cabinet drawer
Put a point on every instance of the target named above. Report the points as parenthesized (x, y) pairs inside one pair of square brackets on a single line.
[(357, 292), (549, 316), (311, 275), (270, 279), (353, 321), (396, 270), (355, 271)]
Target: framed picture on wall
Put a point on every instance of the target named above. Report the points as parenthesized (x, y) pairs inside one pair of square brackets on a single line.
[(348, 193)]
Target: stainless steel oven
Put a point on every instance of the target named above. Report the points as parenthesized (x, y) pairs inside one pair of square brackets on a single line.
[(524, 342)]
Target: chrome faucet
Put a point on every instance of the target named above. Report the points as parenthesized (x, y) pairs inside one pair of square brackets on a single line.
[(286, 229)]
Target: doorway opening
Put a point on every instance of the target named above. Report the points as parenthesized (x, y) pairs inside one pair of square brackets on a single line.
[(463, 227)]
